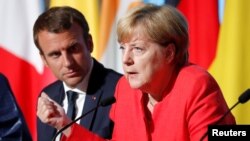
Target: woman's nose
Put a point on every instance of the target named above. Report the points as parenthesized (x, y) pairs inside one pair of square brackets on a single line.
[(127, 57)]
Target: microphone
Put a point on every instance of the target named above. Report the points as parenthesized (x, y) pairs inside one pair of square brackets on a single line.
[(244, 97), (103, 103)]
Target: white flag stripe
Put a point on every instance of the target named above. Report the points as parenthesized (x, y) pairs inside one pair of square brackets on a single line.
[(112, 57), (17, 18)]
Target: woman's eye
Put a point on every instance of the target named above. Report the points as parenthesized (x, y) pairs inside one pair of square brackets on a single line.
[(138, 50), (121, 48)]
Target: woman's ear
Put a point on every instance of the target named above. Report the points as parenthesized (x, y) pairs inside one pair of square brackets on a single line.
[(170, 52)]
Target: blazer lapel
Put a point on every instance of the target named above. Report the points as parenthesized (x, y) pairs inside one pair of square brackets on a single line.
[(93, 96), (91, 102), (57, 94)]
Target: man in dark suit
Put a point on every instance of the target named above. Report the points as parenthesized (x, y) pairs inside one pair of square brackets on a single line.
[(12, 123), (62, 36)]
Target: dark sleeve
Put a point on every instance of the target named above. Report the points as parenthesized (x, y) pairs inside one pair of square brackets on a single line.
[(12, 123)]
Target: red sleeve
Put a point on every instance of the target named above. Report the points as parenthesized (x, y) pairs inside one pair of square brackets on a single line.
[(79, 133), (205, 107)]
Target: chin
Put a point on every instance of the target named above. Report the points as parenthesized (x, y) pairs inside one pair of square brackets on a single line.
[(134, 85), (72, 83)]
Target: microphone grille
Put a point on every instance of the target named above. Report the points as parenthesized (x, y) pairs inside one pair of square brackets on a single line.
[(108, 101), (245, 96)]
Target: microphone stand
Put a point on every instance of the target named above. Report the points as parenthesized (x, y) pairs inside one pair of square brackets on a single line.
[(103, 103), (244, 97), (203, 137)]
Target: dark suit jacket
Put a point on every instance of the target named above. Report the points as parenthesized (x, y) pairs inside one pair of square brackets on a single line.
[(101, 85), (12, 123)]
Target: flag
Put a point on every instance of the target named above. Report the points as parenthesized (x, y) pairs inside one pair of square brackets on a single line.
[(20, 60), (102, 17), (231, 65), (90, 10), (203, 22), (221, 48), (110, 55), (203, 38), (107, 19)]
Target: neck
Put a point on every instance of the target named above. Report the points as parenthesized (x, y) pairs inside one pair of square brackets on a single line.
[(152, 101)]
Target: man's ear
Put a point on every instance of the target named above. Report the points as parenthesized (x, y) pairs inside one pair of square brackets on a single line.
[(89, 43), (44, 59), (170, 52)]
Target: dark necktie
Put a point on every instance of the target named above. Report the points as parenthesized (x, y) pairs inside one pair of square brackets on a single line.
[(72, 96)]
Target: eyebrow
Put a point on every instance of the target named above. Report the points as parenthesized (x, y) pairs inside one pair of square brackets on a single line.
[(53, 52)]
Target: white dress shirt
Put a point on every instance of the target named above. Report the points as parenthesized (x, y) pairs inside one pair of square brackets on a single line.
[(81, 89)]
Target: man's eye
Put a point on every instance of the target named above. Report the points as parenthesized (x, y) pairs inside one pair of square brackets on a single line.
[(55, 54), (74, 48)]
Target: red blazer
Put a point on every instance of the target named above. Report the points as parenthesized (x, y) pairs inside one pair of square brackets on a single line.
[(184, 114)]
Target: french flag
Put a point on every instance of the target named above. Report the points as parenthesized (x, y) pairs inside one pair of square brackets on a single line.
[(20, 61)]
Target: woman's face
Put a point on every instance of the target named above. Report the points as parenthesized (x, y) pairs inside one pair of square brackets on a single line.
[(146, 64)]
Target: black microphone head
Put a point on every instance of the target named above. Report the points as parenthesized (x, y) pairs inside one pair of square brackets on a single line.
[(245, 96), (108, 101)]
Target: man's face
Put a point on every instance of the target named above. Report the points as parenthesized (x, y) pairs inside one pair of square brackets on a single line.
[(67, 54)]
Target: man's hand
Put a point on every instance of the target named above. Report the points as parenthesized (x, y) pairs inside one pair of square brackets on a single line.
[(51, 112)]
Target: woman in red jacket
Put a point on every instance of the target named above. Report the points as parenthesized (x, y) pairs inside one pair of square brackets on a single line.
[(162, 96)]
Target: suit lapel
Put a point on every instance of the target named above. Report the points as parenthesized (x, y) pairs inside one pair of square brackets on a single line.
[(93, 96), (91, 102), (57, 94)]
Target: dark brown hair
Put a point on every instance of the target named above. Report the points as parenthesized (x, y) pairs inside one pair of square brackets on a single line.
[(57, 20)]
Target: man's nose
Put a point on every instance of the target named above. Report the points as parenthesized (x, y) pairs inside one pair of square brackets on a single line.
[(67, 59)]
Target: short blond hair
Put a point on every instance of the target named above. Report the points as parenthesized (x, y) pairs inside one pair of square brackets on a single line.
[(161, 24)]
